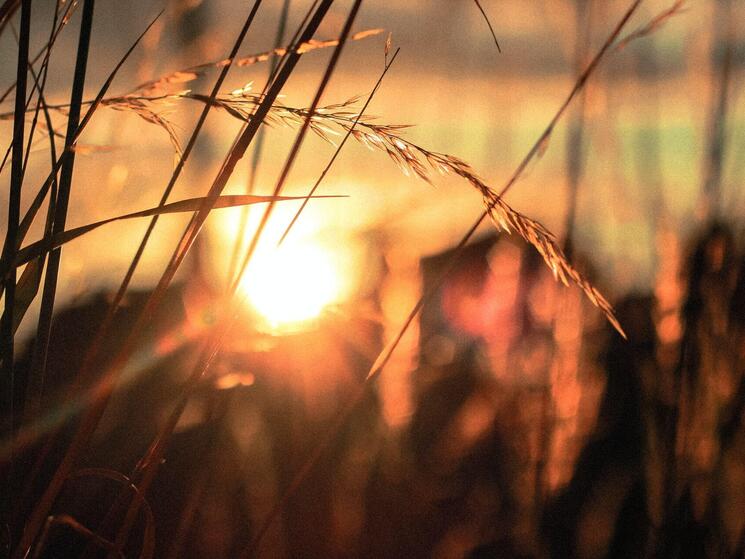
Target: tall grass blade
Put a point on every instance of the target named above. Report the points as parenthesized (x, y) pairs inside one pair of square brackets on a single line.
[(7, 339), (33, 251), (28, 286), (258, 148), (491, 29), (43, 332), (148, 465)]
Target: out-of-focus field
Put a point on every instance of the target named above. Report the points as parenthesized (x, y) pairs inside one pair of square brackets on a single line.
[(511, 419)]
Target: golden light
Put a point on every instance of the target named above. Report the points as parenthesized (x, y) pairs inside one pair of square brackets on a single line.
[(292, 284)]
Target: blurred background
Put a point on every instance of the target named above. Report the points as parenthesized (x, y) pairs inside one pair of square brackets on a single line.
[(511, 419)]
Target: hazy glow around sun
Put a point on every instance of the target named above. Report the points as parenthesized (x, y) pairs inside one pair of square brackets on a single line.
[(290, 285), (293, 283)]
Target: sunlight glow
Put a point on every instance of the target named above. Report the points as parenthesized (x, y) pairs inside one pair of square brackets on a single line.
[(290, 286), (294, 283)]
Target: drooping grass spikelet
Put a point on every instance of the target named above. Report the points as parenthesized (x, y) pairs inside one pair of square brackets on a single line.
[(332, 120)]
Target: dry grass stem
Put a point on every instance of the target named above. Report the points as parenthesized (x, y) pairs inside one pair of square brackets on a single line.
[(654, 24), (188, 74), (332, 121)]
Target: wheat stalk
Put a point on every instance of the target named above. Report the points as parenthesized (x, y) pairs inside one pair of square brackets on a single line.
[(335, 119), (413, 158), (188, 74)]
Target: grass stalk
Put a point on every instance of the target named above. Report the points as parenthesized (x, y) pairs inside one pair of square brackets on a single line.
[(103, 330), (258, 148), (44, 327), (298, 143), (7, 338), (35, 383)]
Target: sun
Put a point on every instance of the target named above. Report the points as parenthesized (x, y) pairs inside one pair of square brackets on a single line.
[(290, 285)]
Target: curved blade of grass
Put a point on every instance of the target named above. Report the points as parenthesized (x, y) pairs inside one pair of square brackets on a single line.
[(491, 29), (148, 536), (34, 250), (7, 338)]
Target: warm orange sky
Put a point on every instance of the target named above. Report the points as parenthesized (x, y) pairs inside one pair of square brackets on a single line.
[(461, 95)]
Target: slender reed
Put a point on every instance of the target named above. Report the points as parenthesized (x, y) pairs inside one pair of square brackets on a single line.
[(7, 346), (44, 328), (92, 353), (31, 277), (257, 151)]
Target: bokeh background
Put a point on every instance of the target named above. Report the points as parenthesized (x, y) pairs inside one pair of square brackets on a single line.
[(511, 421)]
